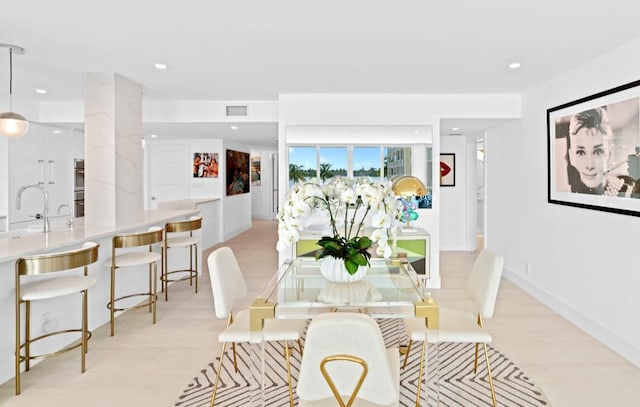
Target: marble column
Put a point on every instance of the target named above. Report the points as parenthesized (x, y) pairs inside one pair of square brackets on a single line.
[(114, 158)]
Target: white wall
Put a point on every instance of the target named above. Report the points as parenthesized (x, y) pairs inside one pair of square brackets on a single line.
[(582, 263), (4, 180), (453, 199)]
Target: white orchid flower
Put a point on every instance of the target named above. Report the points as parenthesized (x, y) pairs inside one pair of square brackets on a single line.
[(381, 220), (383, 251), (379, 235)]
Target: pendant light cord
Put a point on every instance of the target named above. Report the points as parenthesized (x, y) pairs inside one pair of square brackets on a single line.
[(10, 79)]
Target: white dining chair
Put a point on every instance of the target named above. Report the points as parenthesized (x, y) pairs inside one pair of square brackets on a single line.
[(229, 287), (345, 357), (464, 326)]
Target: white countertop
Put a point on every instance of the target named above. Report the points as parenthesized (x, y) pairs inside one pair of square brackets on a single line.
[(18, 243), (185, 203)]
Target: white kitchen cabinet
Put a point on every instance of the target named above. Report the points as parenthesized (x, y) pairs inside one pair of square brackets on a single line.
[(46, 158)]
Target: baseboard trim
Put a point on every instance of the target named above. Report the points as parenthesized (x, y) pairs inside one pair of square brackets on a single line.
[(582, 321)]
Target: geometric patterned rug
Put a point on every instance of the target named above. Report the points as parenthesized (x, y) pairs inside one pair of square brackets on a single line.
[(459, 386)]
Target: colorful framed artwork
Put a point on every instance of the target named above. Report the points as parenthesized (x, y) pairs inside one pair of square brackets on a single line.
[(237, 172), (205, 165), (255, 171), (593, 151), (447, 170)]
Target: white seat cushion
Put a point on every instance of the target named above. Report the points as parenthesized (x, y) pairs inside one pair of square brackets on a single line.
[(55, 287), (181, 241), (274, 329), (134, 259), (455, 326)]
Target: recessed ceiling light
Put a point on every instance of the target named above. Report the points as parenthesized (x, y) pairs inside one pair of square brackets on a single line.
[(57, 131), (154, 136), (234, 127), (416, 132), (160, 66), (514, 65), (41, 91), (455, 129)]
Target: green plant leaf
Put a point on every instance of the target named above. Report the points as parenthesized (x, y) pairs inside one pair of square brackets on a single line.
[(350, 266), (359, 259), (364, 242)]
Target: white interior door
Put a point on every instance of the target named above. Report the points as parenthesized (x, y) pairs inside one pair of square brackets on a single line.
[(168, 172)]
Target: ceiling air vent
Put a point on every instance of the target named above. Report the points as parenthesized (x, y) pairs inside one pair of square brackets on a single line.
[(236, 110)]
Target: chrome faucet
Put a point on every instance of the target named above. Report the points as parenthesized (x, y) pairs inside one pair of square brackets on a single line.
[(45, 213), (69, 213)]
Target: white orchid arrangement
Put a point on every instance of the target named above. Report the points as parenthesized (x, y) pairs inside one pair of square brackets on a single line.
[(348, 202)]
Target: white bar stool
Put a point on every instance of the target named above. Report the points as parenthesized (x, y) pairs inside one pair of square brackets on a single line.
[(135, 258), (181, 240), (47, 288)]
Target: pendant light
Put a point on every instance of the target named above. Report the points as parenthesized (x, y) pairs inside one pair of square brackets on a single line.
[(12, 125)]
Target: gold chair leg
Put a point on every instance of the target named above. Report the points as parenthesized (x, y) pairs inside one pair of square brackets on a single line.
[(27, 336), (150, 267), (215, 384), (475, 363), (300, 347), (84, 331), (190, 266), (112, 320), (406, 356), (17, 338), (163, 274), (286, 353), (235, 363), (154, 292), (424, 347), (493, 391), (195, 249)]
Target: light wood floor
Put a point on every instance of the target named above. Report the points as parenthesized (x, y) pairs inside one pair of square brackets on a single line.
[(149, 365)]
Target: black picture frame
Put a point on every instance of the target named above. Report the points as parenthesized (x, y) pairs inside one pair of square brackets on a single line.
[(593, 151), (237, 177), (447, 170)]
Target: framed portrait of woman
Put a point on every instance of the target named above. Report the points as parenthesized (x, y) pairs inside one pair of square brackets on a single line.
[(593, 154)]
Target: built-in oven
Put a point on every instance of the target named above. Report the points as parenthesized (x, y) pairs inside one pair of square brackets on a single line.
[(78, 188)]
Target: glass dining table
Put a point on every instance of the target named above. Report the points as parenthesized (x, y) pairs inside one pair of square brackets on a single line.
[(390, 289)]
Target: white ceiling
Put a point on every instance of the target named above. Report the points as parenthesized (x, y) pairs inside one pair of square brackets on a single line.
[(246, 50)]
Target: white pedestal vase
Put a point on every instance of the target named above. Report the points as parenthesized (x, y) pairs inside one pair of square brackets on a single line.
[(334, 270)]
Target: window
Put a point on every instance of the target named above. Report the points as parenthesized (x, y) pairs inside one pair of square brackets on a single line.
[(397, 161), (333, 162), (366, 162), (302, 163), (326, 162)]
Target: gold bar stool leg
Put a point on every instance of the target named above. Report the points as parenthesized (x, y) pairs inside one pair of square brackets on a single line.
[(195, 249), (17, 334), (84, 331), (112, 304), (27, 335), (150, 267), (155, 290)]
